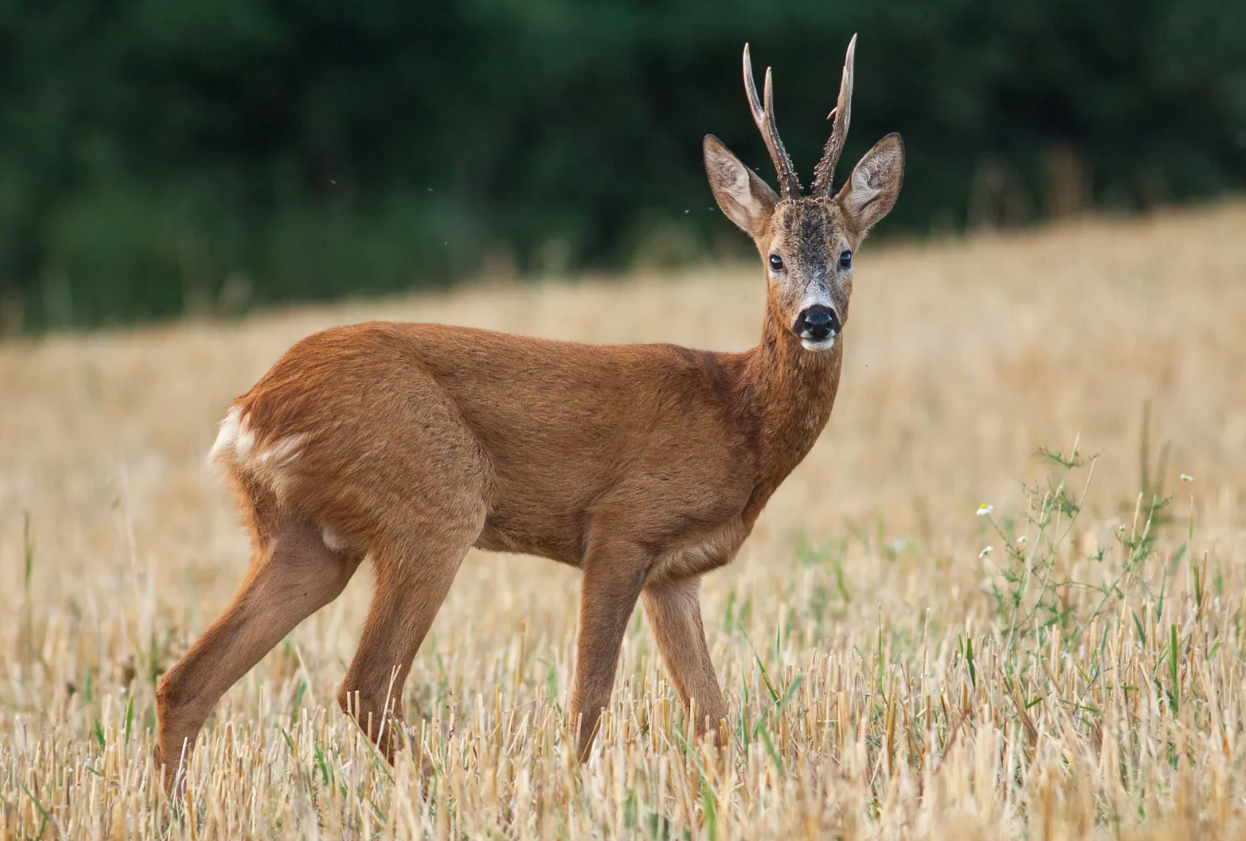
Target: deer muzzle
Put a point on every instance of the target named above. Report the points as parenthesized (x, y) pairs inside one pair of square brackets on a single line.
[(817, 326)]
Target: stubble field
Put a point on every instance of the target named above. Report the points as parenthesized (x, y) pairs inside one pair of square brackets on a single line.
[(888, 675)]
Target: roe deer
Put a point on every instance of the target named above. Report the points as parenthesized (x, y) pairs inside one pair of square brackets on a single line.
[(643, 465)]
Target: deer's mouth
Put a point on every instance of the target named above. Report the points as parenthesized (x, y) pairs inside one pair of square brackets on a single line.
[(818, 345)]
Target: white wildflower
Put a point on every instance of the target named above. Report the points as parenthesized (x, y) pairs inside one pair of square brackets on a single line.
[(1185, 478), (985, 552), (985, 509)]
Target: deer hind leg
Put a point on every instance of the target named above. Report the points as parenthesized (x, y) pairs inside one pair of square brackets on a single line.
[(292, 575), (413, 577)]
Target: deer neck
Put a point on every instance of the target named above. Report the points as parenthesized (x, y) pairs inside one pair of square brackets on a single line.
[(794, 391)]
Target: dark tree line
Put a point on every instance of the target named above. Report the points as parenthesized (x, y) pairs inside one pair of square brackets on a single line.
[(164, 155)]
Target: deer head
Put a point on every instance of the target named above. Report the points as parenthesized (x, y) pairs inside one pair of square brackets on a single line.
[(807, 242)]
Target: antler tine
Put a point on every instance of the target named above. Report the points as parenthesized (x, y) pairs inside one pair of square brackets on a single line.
[(789, 185), (824, 172), (773, 130)]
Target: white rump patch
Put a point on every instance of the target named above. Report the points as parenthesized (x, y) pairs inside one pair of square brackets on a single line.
[(236, 442), (332, 539), (235, 436), (282, 452)]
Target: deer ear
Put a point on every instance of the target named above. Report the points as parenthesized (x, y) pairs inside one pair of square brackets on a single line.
[(874, 185), (743, 196)]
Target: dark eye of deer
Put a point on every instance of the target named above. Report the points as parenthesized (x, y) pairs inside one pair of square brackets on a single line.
[(776, 263), (845, 259)]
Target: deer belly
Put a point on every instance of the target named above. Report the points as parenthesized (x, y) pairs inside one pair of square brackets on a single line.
[(703, 553), (556, 538)]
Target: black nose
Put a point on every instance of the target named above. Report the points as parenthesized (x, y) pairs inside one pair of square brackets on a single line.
[(817, 323)]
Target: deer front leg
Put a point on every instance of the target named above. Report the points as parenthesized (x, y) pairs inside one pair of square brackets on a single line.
[(613, 577), (674, 611)]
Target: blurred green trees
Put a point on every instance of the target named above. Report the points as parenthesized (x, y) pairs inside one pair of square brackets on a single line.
[(159, 156)]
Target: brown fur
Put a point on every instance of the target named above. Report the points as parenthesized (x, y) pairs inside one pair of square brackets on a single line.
[(643, 465)]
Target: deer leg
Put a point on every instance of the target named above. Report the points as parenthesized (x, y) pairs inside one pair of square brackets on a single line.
[(674, 611), (411, 584), (282, 588), (613, 578)]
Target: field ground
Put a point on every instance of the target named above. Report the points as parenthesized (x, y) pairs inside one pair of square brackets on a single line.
[(878, 685)]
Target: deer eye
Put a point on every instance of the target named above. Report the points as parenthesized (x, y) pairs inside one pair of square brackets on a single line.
[(776, 263), (845, 259)]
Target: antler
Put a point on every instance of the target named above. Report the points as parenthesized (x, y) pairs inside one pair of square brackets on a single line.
[(824, 172), (789, 185)]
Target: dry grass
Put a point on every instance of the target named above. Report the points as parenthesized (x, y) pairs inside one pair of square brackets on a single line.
[(877, 686)]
